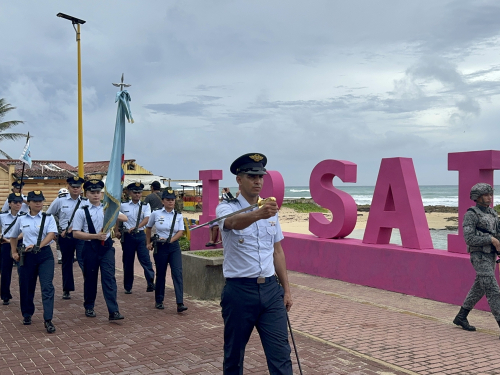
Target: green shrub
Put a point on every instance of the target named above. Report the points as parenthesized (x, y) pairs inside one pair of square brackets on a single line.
[(305, 207), (209, 253), (184, 244)]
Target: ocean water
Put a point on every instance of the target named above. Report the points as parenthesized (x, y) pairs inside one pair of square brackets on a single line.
[(432, 195)]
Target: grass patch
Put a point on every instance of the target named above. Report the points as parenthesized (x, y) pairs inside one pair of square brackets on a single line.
[(305, 207), (184, 244), (497, 208), (209, 253)]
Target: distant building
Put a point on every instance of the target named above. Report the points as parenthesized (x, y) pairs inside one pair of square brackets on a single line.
[(46, 175)]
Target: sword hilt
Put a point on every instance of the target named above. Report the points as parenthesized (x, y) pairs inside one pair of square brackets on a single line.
[(262, 202)]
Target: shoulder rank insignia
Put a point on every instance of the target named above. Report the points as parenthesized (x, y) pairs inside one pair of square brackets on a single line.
[(21, 213), (84, 199)]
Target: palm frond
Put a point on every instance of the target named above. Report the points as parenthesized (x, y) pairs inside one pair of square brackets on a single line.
[(12, 136), (9, 124), (5, 154)]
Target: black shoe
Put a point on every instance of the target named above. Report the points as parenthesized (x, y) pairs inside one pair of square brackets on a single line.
[(461, 320), (27, 320), (116, 316), (151, 287), (59, 261), (66, 295), (181, 307), (49, 326), (160, 306), (6, 302), (90, 313), (128, 291)]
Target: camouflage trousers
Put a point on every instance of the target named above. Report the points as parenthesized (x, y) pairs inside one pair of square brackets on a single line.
[(485, 283)]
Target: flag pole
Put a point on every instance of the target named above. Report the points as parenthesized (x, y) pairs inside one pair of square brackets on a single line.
[(22, 172)]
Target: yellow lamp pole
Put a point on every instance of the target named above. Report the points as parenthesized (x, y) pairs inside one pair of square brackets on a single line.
[(78, 22)]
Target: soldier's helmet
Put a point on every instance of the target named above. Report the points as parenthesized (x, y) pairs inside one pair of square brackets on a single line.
[(479, 190)]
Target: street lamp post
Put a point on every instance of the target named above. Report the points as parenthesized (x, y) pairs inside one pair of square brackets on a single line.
[(78, 22)]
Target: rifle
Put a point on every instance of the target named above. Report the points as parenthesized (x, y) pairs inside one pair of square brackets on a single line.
[(21, 250), (155, 241), (122, 230)]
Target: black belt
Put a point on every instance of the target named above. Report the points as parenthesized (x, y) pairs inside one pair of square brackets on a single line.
[(138, 232), (251, 280)]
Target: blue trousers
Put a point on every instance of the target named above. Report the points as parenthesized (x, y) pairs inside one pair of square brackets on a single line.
[(6, 271), (40, 265), (136, 243), (95, 257), (169, 253), (245, 305), (68, 247)]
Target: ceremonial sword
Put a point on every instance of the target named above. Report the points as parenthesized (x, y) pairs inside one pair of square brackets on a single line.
[(259, 204)]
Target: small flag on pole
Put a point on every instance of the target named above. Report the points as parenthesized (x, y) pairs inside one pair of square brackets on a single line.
[(26, 155)]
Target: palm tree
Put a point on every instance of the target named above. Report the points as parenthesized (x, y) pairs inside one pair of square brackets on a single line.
[(4, 108)]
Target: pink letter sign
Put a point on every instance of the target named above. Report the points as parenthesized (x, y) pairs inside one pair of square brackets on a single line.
[(274, 186), (397, 203), (339, 202), (210, 180), (472, 167)]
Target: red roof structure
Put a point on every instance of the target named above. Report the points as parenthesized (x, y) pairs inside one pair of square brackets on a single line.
[(41, 169)]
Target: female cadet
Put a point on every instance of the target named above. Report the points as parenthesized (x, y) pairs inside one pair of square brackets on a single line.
[(38, 229), (169, 228), (8, 220)]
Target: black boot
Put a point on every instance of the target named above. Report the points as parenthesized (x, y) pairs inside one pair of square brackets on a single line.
[(461, 320)]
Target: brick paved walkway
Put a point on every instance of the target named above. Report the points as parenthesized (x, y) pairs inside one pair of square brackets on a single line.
[(340, 328)]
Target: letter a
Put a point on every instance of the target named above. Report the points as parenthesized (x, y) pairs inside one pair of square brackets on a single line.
[(397, 203)]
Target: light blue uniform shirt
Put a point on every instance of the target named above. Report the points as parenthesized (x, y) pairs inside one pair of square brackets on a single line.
[(162, 220), (248, 252), (132, 210), (96, 215), (6, 219), (29, 226), (63, 207), (24, 206)]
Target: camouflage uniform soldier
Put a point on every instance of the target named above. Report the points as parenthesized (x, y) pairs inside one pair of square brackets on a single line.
[(481, 229)]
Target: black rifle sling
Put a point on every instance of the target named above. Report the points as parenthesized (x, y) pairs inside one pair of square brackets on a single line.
[(138, 215), (90, 224), (73, 214), (172, 227), (40, 233), (8, 228)]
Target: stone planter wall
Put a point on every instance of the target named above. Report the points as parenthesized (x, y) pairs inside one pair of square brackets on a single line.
[(202, 276)]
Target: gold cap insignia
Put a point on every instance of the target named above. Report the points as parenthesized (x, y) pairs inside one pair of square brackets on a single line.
[(94, 181), (170, 191), (19, 182), (37, 192), (137, 184), (76, 178), (17, 194), (256, 157)]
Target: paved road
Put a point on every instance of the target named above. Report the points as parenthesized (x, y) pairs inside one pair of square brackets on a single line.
[(339, 328)]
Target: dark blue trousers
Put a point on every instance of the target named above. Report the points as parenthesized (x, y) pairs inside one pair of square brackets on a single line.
[(40, 265), (95, 257), (245, 305), (136, 243), (169, 253), (6, 271), (68, 247)]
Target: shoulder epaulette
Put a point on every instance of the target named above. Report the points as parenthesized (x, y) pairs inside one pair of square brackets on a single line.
[(230, 200), (21, 213), (4, 212), (46, 214), (156, 209), (84, 199)]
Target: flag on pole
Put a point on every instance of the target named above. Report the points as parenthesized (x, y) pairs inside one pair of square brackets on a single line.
[(26, 155), (115, 177)]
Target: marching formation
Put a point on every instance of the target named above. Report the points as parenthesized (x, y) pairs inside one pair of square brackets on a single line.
[(75, 220)]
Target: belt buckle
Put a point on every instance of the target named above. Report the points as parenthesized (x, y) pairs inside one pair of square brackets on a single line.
[(261, 280)]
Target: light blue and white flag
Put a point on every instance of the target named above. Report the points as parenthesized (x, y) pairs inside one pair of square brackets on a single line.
[(26, 155), (114, 179)]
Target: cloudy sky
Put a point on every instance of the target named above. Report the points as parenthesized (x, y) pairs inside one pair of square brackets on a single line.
[(298, 81)]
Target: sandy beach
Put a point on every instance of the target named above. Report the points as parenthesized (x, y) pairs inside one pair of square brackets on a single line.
[(294, 222)]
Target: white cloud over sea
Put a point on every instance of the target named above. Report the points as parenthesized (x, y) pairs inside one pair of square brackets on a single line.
[(298, 81)]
